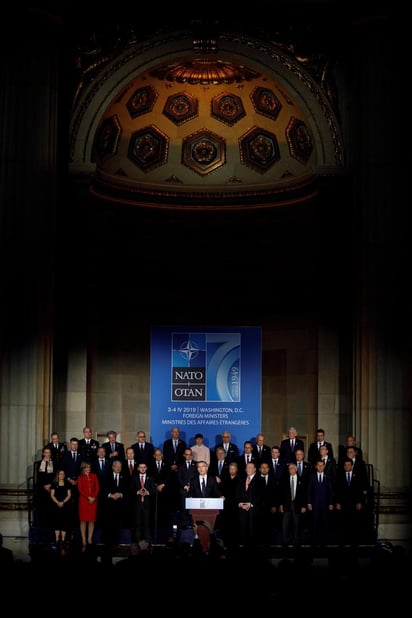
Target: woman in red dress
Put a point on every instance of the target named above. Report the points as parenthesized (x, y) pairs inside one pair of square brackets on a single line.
[(88, 487)]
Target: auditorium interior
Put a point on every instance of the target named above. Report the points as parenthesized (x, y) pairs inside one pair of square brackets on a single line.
[(188, 165)]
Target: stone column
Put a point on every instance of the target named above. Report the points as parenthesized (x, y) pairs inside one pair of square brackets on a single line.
[(28, 112), (382, 332)]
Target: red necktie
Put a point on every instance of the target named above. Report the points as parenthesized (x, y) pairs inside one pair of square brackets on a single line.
[(131, 468), (247, 483)]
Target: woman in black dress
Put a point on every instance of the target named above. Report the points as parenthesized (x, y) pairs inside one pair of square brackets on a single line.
[(230, 487), (45, 471), (61, 495)]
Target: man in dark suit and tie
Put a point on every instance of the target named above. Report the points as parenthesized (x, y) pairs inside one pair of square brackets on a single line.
[(268, 524), (350, 505), (314, 447), (113, 501), (113, 448), (289, 445), (130, 464), (173, 449), (186, 474), (165, 501), (143, 450), (277, 467), (249, 500), (71, 461), (101, 465), (58, 449), (261, 451), (219, 466), (304, 468), (204, 485), (321, 502), (143, 492), (293, 497), (245, 458), (71, 465), (88, 446), (231, 449)]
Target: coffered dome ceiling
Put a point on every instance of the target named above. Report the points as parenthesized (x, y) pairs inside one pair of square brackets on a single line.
[(187, 123)]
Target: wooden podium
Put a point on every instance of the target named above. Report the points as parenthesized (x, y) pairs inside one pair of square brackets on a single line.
[(204, 510)]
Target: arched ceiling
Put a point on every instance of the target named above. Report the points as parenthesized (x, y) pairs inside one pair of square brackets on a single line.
[(201, 118)]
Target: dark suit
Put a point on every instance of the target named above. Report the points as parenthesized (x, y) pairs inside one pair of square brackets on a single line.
[(118, 448), (287, 454), (172, 459), (143, 454), (214, 468), (321, 497), (212, 489), (72, 466), (164, 500), (169, 455), (249, 519), (185, 477), (305, 472), (278, 469), (343, 455), (72, 469), (351, 520), (241, 465), (57, 452), (267, 524), (88, 451), (101, 471), (126, 469), (142, 507), (330, 469), (292, 516), (264, 456), (313, 452), (113, 512), (361, 471), (232, 452)]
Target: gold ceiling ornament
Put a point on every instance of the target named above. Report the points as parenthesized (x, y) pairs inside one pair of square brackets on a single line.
[(206, 68), (205, 72)]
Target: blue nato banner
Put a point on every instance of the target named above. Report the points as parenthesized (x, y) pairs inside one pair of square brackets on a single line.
[(205, 380)]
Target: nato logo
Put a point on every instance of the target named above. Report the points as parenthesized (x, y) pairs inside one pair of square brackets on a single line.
[(205, 367)]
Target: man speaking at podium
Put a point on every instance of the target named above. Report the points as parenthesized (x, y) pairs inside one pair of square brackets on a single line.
[(204, 485)]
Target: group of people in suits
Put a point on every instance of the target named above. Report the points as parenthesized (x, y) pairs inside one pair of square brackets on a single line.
[(270, 494)]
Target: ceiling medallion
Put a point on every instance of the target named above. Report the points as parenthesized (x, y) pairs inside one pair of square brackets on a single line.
[(205, 72), (203, 151)]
